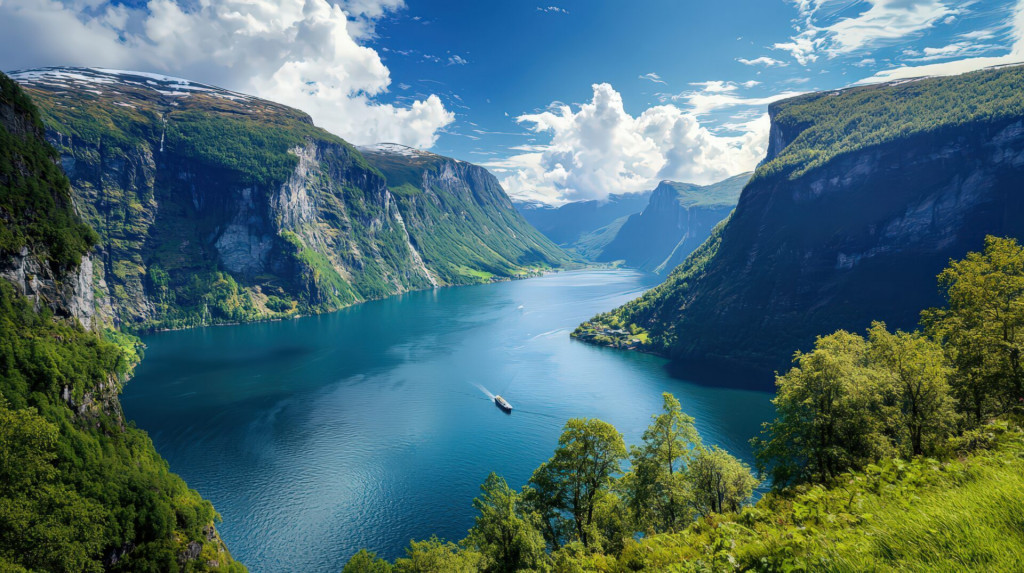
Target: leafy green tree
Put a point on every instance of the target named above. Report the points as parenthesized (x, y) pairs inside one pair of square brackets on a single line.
[(43, 524), (719, 482), (826, 414), (504, 533), (367, 562), (917, 372), (612, 527), (656, 488), (982, 328), (589, 453), (436, 556)]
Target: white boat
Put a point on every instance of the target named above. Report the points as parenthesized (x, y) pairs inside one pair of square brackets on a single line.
[(503, 403)]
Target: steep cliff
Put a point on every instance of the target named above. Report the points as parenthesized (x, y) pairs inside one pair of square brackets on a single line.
[(458, 219), (677, 219), (80, 490), (864, 197), (576, 225), (214, 206)]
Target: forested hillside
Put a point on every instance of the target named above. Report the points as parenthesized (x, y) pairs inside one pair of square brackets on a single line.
[(80, 489), (864, 197), (460, 220)]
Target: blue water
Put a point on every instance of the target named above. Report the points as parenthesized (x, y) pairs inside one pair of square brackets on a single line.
[(371, 426)]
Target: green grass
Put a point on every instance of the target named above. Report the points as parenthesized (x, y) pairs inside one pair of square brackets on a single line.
[(966, 514), (971, 521), (475, 274)]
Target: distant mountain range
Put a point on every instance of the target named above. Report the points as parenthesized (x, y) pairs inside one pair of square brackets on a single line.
[(214, 206), (864, 197), (570, 224), (677, 219), (652, 230)]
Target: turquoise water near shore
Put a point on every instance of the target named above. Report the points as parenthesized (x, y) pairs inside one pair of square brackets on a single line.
[(372, 426)]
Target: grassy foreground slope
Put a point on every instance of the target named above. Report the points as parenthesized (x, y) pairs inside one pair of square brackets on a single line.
[(963, 514), (80, 489)]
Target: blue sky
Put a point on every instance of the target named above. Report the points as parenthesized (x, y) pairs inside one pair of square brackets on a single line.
[(563, 101)]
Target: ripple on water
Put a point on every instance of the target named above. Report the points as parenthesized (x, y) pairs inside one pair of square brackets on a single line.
[(363, 428)]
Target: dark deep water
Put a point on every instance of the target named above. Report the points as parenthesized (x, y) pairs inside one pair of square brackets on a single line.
[(366, 428)]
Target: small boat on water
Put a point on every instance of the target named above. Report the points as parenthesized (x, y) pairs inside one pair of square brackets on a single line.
[(503, 403)]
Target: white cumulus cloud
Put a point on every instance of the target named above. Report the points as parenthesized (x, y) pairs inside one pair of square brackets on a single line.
[(303, 53), (599, 148)]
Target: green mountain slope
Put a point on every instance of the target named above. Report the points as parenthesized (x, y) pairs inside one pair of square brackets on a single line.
[(865, 195), (459, 219), (215, 207), (678, 218), (80, 490)]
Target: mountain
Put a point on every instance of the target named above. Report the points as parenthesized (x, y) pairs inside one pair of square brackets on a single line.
[(571, 224), (864, 197), (80, 489), (461, 223), (214, 207), (653, 230), (677, 219)]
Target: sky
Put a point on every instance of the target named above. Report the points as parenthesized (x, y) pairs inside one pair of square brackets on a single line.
[(562, 101)]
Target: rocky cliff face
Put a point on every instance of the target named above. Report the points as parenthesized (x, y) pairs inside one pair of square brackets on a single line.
[(214, 206), (45, 248), (842, 226), (90, 490), (678, 218), (458, 220)]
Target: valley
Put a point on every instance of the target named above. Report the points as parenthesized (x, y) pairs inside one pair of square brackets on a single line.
[(748, 279)]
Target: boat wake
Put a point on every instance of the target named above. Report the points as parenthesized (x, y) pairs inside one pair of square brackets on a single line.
[(485, 391)]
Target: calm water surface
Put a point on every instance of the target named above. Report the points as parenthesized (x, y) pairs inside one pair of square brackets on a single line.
[(371, 426)]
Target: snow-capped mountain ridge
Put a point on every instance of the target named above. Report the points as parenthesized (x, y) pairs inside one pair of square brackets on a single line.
[(100, 80)]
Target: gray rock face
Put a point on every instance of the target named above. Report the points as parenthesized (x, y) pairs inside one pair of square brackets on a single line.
[(191, 552), (70, 296)]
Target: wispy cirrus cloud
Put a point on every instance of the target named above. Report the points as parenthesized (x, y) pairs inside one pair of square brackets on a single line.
[(1014, 23), (652, 77), (884, 21), (961, 49)]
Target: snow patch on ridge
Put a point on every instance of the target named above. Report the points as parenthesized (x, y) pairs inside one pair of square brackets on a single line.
[(164, 85)]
